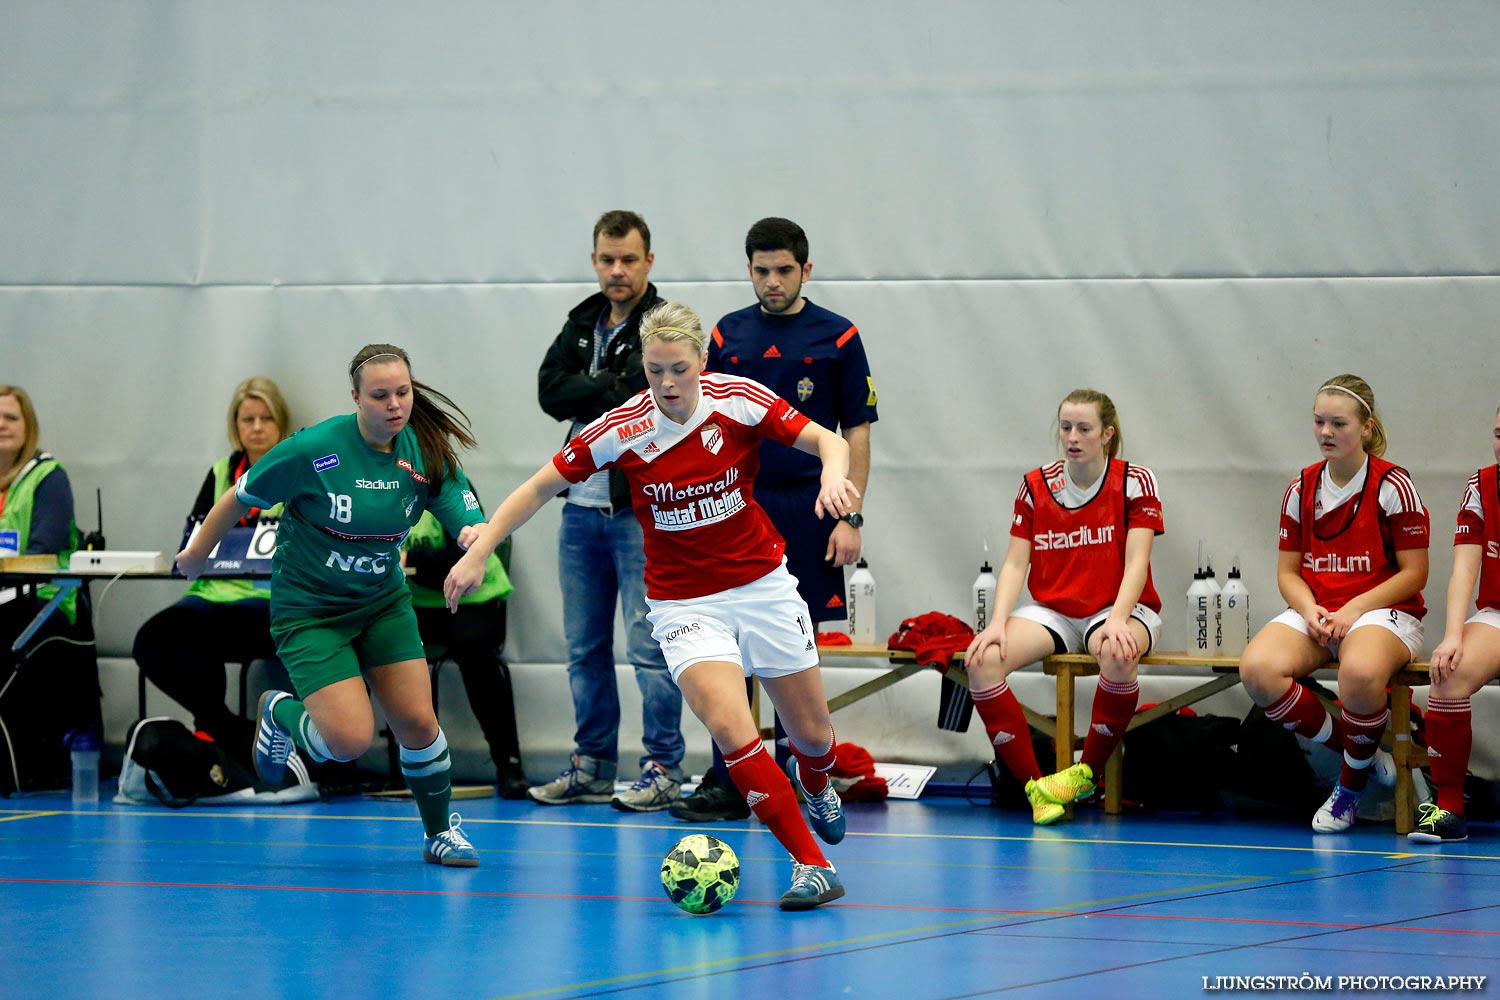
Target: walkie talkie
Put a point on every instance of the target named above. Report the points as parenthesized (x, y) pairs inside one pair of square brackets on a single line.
[(94, 540)]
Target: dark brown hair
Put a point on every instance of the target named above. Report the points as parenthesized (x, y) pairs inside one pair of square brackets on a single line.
[(618, 223), (436, 419)]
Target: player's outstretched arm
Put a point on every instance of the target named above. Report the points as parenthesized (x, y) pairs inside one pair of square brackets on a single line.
[(836, 494), (515, 510), (225, 514)]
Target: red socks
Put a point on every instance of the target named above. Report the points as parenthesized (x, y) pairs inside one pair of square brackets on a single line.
[(1006, 726), (1361, 739), (1450, 740), (1300, 711), (769, 795), (1114, 704), (812, 769)]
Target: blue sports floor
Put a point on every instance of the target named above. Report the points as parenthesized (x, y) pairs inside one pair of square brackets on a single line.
[(945, 900)]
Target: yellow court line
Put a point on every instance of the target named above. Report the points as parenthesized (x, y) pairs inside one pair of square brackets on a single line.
[(34, 814), (1060, 841)]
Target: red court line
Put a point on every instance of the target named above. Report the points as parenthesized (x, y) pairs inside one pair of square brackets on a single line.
[(751, 902)]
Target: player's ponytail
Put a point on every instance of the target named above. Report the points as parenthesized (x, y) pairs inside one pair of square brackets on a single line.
[(437, 421)]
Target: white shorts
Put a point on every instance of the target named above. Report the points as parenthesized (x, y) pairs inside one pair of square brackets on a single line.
[(1075, 632), (763, 626), (1485, 616), (1405, 627)]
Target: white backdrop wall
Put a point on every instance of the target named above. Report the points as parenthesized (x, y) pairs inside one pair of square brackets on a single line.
[(1204, 209)]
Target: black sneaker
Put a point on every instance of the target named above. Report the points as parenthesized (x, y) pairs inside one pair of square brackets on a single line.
[(713, 802), (510, 780), (1438, 826)]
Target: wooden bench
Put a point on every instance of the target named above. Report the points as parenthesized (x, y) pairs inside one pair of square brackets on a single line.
[(1066, 668)]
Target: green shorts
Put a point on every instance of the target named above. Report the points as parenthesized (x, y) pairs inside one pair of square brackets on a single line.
[(318, 652)]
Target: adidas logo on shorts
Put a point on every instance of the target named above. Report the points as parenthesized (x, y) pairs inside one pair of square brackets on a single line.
[(809, 645)]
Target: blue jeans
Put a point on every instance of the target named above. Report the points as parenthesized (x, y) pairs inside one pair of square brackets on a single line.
[(601, 556)]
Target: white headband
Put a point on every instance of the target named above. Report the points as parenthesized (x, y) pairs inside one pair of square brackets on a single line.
[(1348, 392), (372, 358)]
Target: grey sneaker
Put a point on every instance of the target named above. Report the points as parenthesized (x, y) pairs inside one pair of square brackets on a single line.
[(578, 782), (655, 789)]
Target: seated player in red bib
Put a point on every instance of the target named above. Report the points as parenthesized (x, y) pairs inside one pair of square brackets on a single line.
[(1469, 655), (721, 603), (1352, 565), (1084, 527)]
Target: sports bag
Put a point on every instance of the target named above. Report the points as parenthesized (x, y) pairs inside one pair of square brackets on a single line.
[(166, 764)]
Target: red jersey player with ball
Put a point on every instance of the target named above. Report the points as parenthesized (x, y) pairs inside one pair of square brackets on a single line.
[(1084, 527), (1352, 565), (721, 602)]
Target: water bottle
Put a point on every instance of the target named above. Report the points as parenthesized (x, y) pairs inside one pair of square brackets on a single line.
[(1199, 639), (862, 604), (984, 596), (1236, 600), (1215, 610), (83, 747)]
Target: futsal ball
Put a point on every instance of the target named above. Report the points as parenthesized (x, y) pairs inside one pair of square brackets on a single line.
[(701, 873)]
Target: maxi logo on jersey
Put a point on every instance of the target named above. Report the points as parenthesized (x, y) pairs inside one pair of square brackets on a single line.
[(1337, 564), (1053, 540), (634, 430), (707, 503)]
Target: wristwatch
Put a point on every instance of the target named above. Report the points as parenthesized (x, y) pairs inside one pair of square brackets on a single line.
[(856, 519)]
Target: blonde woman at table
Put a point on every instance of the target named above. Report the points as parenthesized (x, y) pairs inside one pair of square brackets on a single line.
[(183, 649), (50, 688), (1081, 535)]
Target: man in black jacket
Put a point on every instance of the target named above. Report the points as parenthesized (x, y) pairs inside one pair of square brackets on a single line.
[(593, 366)]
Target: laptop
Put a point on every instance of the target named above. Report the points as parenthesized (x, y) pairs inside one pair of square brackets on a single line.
[(245, 550)]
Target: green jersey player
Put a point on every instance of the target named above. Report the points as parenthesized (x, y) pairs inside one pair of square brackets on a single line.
[(353, 486)]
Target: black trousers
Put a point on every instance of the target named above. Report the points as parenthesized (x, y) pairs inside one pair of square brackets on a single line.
[(473, 638), (183, 650), (47, 689)]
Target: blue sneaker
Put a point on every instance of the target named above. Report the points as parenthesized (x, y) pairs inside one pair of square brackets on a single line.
[(1337, 814), (811, 886), (825, 810), (273, 743), (451, 848)]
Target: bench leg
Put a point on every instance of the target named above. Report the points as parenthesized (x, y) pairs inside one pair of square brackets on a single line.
[(1114, 781), (1401, 754), (1065, 738)]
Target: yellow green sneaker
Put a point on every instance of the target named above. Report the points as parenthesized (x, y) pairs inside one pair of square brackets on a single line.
[(1044, 811), (1069, 784)]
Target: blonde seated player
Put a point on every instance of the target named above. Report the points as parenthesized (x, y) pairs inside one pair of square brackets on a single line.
[(1083, 526), (1351, 567), (721, 603)]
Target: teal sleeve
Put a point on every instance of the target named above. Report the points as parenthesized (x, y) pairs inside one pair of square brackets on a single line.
[(455, 505), (275, 478)]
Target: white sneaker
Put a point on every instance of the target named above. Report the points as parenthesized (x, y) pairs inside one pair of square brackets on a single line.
[(1383, 769), (1337, 814)]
